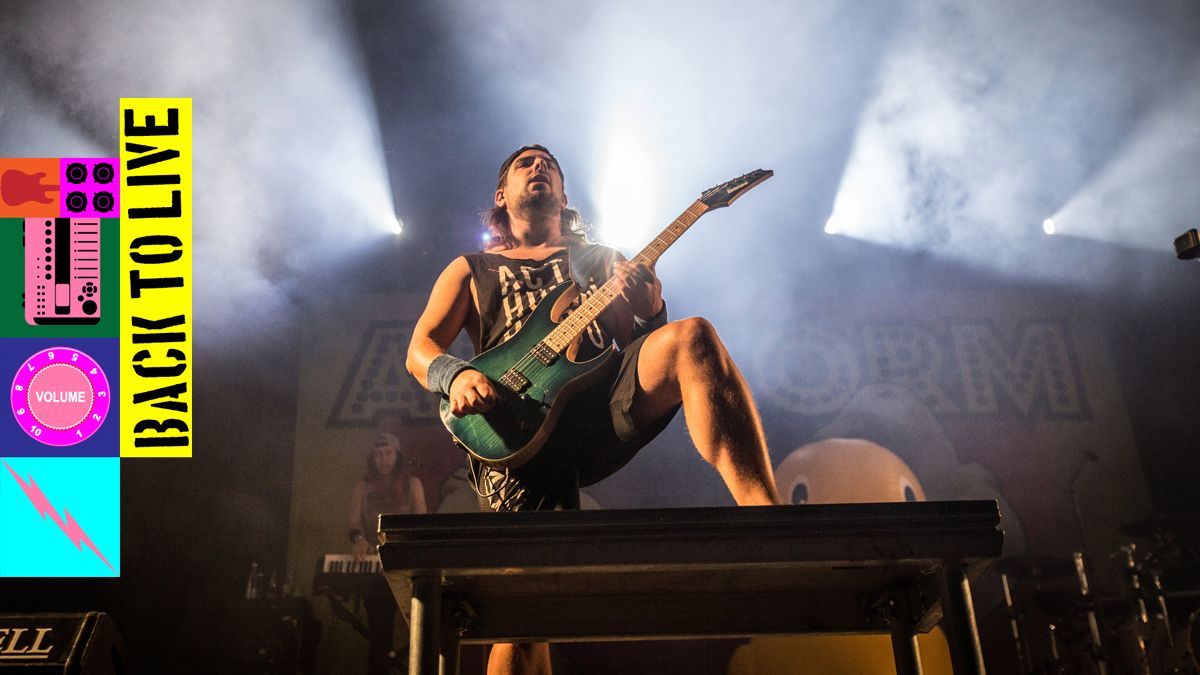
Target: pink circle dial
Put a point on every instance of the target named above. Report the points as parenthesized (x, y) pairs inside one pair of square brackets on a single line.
[(60, 396)]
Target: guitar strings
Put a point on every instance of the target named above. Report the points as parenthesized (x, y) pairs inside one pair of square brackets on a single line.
[(530, 360)]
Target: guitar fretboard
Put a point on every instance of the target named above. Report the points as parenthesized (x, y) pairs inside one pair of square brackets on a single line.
[(573, 326)]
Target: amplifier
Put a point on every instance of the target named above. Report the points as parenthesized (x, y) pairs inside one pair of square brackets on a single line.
[(71, 644)]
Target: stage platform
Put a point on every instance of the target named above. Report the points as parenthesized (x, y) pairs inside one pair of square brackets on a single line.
[(697, 572)]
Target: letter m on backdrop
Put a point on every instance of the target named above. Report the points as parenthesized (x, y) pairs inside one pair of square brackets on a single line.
[(1038, 366)]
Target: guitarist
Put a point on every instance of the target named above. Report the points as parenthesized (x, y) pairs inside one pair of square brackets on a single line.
[(540, 242), (662, 365)]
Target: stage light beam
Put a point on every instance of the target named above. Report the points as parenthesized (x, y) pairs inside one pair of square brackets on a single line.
[(1048, 226), (629, 180)]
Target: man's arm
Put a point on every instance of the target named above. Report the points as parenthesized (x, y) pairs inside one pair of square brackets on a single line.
[(641, 292), (444, 317), (639, 308), (639, 288), (418, 495), (358, 543)]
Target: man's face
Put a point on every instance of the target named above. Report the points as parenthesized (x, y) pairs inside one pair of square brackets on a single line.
[(532, 185)]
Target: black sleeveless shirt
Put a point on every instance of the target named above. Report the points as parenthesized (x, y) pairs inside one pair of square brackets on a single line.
[(509, 289)]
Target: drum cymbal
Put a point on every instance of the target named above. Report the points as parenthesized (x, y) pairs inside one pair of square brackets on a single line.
[(1036, 567)]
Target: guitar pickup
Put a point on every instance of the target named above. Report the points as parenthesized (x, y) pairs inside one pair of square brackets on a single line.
[(542, 352), (514, 380)]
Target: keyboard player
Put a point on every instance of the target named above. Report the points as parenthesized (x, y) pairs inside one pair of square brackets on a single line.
[(388, 486)]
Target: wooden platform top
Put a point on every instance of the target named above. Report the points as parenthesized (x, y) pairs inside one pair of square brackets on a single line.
[(777, 569), (825, 533)]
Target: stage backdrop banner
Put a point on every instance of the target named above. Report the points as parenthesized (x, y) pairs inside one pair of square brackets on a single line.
[(984, 394)]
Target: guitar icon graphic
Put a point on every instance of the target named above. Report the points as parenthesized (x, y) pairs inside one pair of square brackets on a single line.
[(18, 188)]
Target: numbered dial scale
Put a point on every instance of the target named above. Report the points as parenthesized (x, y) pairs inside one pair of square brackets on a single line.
[(60, 396)]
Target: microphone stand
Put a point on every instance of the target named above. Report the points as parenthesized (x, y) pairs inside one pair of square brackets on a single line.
[(1082, 566)]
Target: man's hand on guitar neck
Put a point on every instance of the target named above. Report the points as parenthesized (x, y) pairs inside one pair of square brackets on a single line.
[(471, 392), (639, 287)]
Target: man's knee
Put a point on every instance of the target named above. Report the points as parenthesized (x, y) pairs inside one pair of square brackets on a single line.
[(694, 331), (695, 338), (679, 349)]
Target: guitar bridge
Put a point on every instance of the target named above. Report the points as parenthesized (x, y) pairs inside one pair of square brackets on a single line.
[(514, 380), (542, 352)]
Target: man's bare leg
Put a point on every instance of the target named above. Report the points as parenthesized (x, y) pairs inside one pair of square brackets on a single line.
[(686, 361), (519, 659)]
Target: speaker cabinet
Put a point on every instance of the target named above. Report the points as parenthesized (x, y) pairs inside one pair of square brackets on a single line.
[(71, 644)]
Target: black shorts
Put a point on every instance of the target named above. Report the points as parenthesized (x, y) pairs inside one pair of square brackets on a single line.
[(594, 437)]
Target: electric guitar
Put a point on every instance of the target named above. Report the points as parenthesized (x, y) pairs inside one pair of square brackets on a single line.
[(532, 372)]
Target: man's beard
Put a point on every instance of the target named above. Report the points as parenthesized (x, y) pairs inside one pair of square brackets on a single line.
[(537, 205)]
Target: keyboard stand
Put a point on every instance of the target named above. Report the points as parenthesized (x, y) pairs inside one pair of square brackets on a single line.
[(675, 573), (344, 579)]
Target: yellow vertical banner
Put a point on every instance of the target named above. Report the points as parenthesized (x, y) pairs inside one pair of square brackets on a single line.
[(156, 277)]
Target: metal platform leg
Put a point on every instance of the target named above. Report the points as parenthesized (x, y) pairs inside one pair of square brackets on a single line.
[(426, 625), (958, 613), (904, 638), (449, 651)]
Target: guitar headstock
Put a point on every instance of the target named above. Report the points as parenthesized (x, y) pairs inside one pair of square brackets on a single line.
[(726, 193)]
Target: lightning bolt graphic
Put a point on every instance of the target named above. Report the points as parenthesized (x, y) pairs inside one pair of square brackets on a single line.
[(69, 528)]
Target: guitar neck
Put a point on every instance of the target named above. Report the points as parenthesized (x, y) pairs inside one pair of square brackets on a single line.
[(574, 325)]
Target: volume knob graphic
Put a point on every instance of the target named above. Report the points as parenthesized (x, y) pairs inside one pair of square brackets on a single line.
[(60, 396)]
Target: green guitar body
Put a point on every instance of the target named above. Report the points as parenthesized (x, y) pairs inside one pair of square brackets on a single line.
[(513, 431), (533, 380)]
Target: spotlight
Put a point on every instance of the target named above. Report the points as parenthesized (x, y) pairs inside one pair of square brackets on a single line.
[(1048, 226), (1187, 245), (486, 238), (397, 226), (831, 226)]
